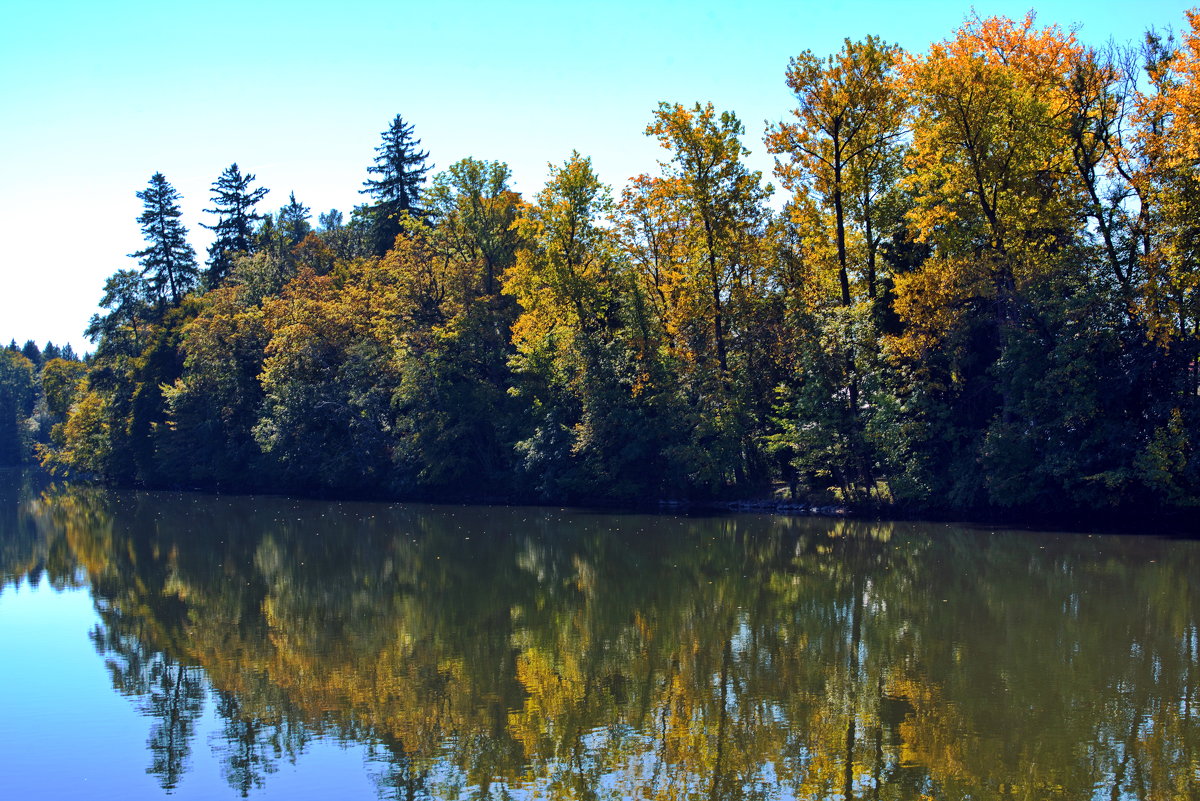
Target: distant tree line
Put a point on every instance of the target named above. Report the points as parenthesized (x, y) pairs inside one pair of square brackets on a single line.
[(982, 294), (37, 386)]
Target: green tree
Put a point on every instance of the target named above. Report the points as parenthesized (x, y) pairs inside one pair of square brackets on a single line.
[(60, 385), (213, 406), (293, 221), (233, 203), (168, 261), (32, 352), (17, 395), (454, 414), (473, 210), (127, 297), (347, 239), (401, 167)]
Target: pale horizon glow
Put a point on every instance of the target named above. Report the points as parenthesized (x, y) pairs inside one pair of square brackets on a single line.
[(99, 96)]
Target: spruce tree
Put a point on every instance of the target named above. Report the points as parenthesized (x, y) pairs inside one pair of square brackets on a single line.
[(401, 168), (233, 203), (168, 262), (32, 352), (294, 221)]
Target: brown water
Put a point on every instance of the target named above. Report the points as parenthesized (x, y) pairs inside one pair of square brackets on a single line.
[(213, 647)]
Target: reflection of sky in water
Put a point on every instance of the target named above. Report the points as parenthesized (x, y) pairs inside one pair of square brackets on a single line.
[(559, 654), (64, 732)]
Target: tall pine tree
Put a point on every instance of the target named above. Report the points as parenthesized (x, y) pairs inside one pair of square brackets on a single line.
[(168, 262), (233, 203), (400, 165)]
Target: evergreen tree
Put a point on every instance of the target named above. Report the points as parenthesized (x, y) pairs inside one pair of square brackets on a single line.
[(31, 352), (51, 351), (401, 168), (294, 221), (234, 203), (169, 263)]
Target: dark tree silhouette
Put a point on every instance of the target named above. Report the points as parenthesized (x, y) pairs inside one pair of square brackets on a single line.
[(233, 203), (401, 168), (168, 261)]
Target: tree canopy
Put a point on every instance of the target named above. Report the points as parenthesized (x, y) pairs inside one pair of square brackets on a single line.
[(980, 296)]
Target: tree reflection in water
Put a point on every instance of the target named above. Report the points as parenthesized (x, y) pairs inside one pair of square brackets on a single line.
[(483, 653)]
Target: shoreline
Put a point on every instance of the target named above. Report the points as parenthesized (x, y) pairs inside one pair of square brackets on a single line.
[(1175, 524)]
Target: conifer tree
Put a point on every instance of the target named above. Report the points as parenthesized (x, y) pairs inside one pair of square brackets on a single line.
[(294, 221), (168, 262), (401, 167), (32, 352), (234, 201)]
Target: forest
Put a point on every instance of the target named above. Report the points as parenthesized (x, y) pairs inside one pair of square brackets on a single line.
[(981, 296)]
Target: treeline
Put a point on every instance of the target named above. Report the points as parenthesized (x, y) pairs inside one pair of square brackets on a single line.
[(37, 387), (981, 294)]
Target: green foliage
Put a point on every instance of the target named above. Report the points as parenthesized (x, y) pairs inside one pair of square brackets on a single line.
[(17, 396), (168, 262), (980, 296), (233, 203), (401, 167)]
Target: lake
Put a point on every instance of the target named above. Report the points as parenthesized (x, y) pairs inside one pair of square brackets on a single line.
[(197, 646)]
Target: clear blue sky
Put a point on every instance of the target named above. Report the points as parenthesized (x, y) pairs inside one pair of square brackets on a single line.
[(97, 96)]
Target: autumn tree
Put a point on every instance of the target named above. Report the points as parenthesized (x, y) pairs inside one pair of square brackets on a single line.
[(593, 430), (991, 167), (327, 383), (61, 379), (722, 277), (843, 146), (455, 415), (841, 160)]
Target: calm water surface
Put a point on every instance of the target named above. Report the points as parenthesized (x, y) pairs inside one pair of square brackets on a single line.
[(215, 647)]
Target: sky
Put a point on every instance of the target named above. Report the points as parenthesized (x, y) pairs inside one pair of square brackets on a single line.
[(95, 97)]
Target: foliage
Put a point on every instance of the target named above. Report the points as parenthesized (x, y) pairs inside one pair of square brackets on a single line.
[(233, 203), (401, 167), (979, 297), (17, 396), (168, 262)]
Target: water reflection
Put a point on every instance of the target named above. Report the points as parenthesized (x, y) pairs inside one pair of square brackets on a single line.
[(488, 653)]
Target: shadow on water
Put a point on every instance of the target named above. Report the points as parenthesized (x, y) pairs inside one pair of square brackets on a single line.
[(479, 652)]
